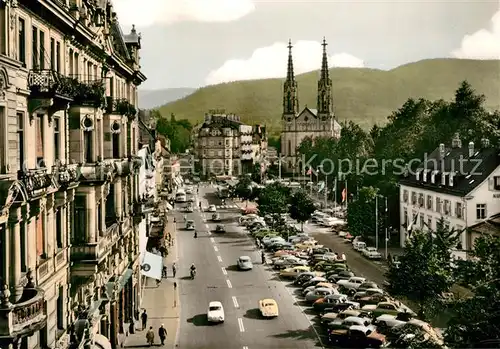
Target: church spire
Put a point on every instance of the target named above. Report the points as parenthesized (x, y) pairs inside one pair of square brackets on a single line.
[(290, 93), (325, 101)]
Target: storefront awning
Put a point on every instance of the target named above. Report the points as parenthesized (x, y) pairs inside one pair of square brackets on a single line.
[(122, 281), (101, 342), (169, 207)]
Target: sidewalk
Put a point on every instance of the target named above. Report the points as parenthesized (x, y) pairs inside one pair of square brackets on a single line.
[(161, 304)]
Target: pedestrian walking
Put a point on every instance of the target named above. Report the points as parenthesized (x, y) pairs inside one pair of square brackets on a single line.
[(165, 273), (144, 319), (162, 333), (150, 336), (174, 269)]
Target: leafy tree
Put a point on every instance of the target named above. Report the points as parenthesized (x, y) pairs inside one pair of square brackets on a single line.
[(476, 320), (178, 131), (243, 188), (256, 173), (425, 273), (361, 213), (301, 207), (273, 199)]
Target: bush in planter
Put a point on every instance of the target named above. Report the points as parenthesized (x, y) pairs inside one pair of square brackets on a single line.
[(89, 93)]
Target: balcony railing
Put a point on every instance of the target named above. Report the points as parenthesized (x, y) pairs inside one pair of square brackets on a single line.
[(93, 251), (47, 83), (89, 93), (66, 175), (120, 106), (99, 172), (25, 317), (35, 181)]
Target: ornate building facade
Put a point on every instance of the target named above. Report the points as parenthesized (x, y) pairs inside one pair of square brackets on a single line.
[(69, 255), (296, 124)]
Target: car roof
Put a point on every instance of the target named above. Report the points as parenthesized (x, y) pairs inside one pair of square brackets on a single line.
[(215, 304), (324, 289), (359, 328), (386, 317), (244, 258), (268, 300), (190, 221)]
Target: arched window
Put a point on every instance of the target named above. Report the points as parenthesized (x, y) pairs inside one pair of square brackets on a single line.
[(289, 147)]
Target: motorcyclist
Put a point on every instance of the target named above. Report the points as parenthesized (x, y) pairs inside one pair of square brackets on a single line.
[(193, 268), (185, 218), (193, 271)]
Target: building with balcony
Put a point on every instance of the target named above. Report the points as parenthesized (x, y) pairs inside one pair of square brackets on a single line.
[(459, 184), (225, 146), (69, 261)]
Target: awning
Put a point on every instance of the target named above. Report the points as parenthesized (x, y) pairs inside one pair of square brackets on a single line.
[(101, 342), (178, 181), (121, 282), (169, 207)]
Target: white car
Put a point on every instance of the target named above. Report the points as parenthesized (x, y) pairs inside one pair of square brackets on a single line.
[(352, 283), (215, 312), (212, 208), (372, 253)]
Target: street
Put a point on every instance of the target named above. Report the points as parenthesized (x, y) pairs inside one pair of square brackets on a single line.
[(218, 279)]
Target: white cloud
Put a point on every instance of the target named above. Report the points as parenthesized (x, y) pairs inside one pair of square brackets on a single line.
[(149, 12), (483, 44), (271, 62)]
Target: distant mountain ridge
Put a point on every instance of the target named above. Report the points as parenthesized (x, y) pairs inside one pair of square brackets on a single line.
[(149, 99), (363, 95)]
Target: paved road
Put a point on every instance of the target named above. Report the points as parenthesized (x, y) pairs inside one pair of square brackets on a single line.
[(215, 256)]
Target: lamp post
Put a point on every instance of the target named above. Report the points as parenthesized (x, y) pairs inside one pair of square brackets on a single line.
[(320, 167)]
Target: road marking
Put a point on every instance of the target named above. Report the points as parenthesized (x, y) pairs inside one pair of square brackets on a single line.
[(209, 233), (212, 240), (235, 302), (240, 324), (244, 347), (216, 249), (219, 258), (206, 226), (229, 284), (224, 271)]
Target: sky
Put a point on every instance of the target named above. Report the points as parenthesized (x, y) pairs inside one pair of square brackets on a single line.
[(193, 43)]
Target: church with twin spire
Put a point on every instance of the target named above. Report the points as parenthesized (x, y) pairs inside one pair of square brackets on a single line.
[(298, 124)]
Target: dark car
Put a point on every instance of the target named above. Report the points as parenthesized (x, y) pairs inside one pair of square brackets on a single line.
[(303, 278), (356, 337), (220, 228), (340, 275)]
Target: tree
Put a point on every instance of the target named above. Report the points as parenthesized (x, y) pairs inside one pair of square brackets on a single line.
[(424, 273), (273, 199), (257, 172), (361, 213), (301, 207), (177, 131), (244, 189), (476, 320)]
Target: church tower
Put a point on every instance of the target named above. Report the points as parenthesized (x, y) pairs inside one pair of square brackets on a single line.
[(290, 90), (325, 99)]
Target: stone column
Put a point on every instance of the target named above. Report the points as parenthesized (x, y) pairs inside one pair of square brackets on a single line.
[(119, 198), (6, 251), (91, 216), (15, 250), (113, 331)]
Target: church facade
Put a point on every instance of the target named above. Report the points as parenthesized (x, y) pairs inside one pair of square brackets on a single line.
[(298, 124)]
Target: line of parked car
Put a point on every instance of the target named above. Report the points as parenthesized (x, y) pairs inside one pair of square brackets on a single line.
[(351, 311)]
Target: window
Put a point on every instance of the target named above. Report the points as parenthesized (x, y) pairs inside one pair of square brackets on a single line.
[(496, 182), (3, 31), (405, 216), (52, 54), (110, 206), (227, 142), (20, 141), (116, 146), (421, 200), (57, 138), (79, 231), (77, 65), (405, 195), (481, 211), (59, 228), (129, 140), (429, 222), (211, 153), (40, 236), (87, 144), (21, 44), (42, 50), (458, 210), (39, 140), (58, 57), (24, 255), (71, 63), (3, 143), (438, 205), (429, 202), (289, 147), (422, 220), (34, 48), (447, 207), (219, 153), (413, 198)]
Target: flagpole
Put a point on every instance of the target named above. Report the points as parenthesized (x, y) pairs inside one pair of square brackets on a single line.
[(335, 195), (346, 195)]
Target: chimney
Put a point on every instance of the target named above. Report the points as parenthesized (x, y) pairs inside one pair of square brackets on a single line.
[(471, 149), (485, 142), (441, 150), (456, 142)]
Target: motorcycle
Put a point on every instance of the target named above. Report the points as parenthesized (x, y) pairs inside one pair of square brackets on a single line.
[(193, 273)]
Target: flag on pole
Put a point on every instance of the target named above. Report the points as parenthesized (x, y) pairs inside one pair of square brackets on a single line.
[(309, 172), (321, 186), (412, 223), (344, 195)]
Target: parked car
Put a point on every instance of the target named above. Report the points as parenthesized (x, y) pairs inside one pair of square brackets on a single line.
[(394, 307), (244, 263), (311, 288), (350, 321), (352, 283), (357, 337), (212, 208), (372, 253), (215, 312), (367, 292), (341, 275), (268, 308), (329, 301), (189, 208), (386, 322), (318, 293), (294, 271), (329, 317), (366, 285), (216, 217)]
